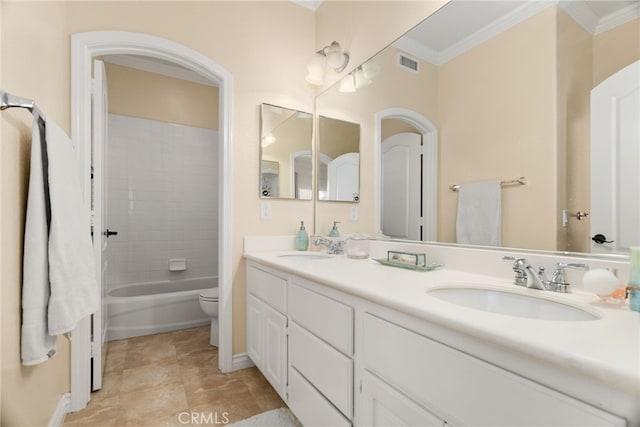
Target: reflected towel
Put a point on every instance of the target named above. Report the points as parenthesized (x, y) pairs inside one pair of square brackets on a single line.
[(59, 282), (479, 218)]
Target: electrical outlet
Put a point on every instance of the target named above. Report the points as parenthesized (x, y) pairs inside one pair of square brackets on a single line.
[(265, 210), (353, 214)]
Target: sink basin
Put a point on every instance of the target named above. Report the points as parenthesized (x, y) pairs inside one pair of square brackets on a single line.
[(511, 304), (305, 256)]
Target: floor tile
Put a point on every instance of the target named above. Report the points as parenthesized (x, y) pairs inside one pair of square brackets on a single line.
[(172, 379)]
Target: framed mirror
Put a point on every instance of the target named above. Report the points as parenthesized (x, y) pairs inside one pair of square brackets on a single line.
[(338, 162), (286, 165), (502, 90)]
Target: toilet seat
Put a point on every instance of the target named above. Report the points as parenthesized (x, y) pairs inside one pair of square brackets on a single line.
[(210, 294)]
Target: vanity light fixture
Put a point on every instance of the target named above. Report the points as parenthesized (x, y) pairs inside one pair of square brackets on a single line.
[(332, 56), (268, 139), (348, 84)]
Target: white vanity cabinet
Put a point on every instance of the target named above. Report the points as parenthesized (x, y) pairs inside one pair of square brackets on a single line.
[(416, 373), (320, 356), (341, 360), (267, 325)]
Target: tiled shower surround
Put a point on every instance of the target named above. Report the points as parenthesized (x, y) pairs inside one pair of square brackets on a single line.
[(162, 200)]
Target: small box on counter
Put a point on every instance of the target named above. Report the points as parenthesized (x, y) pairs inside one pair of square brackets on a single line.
[(407, 258)]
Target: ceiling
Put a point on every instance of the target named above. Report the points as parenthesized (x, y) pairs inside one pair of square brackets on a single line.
[(462, 24)]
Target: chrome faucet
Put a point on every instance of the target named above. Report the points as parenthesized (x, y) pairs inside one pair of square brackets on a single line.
[(334, 246), (539, 280)]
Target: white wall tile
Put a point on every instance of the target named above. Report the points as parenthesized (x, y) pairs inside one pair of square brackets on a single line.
[(162, 200)]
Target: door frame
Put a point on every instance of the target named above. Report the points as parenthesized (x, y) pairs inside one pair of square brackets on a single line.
[(429, 162), (86, 46)]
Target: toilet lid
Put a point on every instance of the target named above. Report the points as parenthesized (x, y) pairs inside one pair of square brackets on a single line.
[(209, 294)]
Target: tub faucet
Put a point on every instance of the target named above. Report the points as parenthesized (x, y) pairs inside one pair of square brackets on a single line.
[(334, 246)]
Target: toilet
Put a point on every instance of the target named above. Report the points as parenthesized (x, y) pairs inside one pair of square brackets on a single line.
[(209, 305)]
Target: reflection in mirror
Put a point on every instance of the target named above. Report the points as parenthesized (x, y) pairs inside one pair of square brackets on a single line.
[(338, 160), (286, 167), (505, 101)]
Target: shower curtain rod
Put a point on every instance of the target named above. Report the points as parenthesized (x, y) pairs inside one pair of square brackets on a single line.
[(10, 101)]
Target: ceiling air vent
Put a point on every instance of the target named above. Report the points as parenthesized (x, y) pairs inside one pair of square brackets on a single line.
[(407, 63)]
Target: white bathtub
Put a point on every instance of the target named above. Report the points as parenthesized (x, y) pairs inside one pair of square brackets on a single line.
[(150, 308)]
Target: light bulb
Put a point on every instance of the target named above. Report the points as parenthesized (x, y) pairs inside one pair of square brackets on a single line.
[(335, 57), (347, 85)]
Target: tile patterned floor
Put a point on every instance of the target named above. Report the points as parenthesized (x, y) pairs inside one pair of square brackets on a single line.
[(166, 379)]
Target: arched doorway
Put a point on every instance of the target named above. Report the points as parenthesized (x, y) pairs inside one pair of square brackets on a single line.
[(85, 47), (429, 166)]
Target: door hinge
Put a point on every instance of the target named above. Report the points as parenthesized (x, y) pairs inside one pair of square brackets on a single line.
[(421, 221)]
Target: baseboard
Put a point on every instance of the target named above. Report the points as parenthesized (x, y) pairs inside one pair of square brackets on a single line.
[(63, 408), (241, 361)]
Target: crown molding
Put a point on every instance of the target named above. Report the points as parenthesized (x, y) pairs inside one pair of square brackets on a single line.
[(578, 10), (496, 27), (620, 17)]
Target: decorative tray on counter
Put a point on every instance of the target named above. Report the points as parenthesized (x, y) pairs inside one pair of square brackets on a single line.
[(408, 261)]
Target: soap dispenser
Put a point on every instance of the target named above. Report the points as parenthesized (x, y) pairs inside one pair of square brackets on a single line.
[(334, 231), (302, 240)]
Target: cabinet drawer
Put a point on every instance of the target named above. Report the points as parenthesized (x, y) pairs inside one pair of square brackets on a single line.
[(330, 371), (267, 287), (328, 319), (464, 390), (311, 408), (384, 406)]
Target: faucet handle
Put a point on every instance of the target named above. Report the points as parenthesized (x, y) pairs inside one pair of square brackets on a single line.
[(558, 279), (519, 267)]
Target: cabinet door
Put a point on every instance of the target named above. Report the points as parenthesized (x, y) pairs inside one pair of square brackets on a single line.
[(254, 330), (275, 349), (381, 405), (466, 390)]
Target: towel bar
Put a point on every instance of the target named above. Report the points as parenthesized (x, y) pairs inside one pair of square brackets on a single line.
[(518, 181), (11, 101)]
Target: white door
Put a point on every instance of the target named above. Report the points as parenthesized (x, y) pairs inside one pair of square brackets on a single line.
[(401, 186), (99, 210), (344, 178), (615, 161)]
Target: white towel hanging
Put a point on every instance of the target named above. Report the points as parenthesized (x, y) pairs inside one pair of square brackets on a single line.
[(59, 282), (479, 218)]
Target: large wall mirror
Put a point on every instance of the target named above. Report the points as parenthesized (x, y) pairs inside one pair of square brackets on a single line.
[(338, 160), (286, 161), (493, 90)]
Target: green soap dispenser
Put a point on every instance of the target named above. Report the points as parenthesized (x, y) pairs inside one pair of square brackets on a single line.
[(302, 240), (334, 231)]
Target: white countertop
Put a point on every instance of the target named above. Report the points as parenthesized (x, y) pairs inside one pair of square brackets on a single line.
[(607, 349)]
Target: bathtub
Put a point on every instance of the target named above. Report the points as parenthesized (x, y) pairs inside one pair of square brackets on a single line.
[(150, 308)]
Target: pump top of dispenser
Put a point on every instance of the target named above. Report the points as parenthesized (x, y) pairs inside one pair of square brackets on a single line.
[(334, 231)]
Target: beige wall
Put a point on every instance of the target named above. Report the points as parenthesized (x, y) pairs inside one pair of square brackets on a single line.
[(615, 49), (145, 95), (29, 394), (574, 91), (487, 133)]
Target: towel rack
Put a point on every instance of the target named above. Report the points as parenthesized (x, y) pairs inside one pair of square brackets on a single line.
[(518, 181), (10, 101)]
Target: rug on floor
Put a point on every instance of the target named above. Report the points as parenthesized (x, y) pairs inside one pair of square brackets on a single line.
[(281, 417)]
